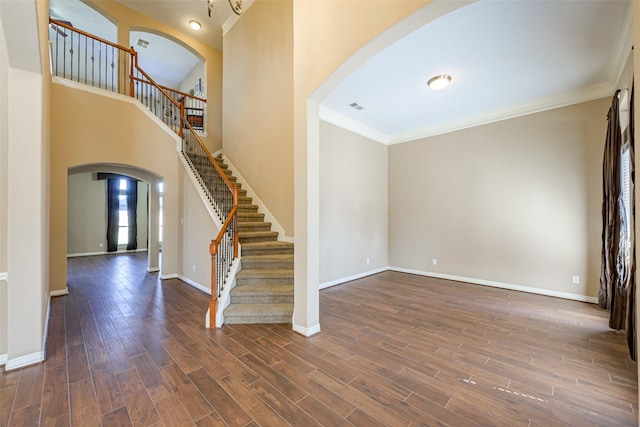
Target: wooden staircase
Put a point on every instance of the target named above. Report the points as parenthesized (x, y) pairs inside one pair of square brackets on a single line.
[(264, 285)]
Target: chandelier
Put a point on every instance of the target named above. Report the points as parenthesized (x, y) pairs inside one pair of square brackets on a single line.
[(236, 6)]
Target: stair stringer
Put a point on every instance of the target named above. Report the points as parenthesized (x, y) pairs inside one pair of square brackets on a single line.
[(225, 298), (268, 217)]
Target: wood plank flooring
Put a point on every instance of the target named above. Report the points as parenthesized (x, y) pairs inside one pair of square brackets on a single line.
[(126, 349)]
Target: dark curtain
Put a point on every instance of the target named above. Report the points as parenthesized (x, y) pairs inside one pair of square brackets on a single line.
[(631, 312), (132, 207), (610, 207), (113, 206), (617, 275)]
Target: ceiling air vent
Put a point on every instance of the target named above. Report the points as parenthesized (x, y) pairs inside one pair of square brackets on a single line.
[(142, 43), (356, 106)]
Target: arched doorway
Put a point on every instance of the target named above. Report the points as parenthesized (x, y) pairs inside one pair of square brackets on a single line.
[(87, 215)]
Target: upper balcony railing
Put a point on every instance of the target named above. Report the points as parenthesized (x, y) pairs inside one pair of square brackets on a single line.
[(82, 57)]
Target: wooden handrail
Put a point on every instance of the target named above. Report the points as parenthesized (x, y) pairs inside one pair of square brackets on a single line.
[(92, 36), (231, 219), (215, 164), (173, 90)]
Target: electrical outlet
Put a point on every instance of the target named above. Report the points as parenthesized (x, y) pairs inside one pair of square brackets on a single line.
[(576, 280), (368, 260), (194, 268), (102, 245), (434, 261)]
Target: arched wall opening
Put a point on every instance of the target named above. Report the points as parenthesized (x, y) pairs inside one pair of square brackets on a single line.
[(85, 189), (307, 166)]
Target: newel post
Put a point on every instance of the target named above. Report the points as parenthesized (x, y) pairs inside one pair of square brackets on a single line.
[(213, 303), (131, 73)]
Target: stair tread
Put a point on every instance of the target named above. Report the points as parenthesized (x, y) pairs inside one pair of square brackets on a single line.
[(260, 273), (262, 289), (267, 244), (258, 309), (257, 233), (275, 257)]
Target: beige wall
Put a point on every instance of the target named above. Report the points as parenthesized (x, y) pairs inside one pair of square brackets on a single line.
[(516, 202), (79, 137), (4, 176), (127, 20), (327, 35), (87, 214), (353, 204), (197, 231), (24, 219), (258, 104)]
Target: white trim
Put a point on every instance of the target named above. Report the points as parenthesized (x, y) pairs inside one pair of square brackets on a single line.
[(193, 283), (307, 332), (23, 361), (233, 19), (225, 296), (352, 125), (45, 335), (546, 292), (354, 277), (59, 293), (538, 106), (153, 269), (80, 254), (4, 276), (268, 217), (3, 359), (169, 276), (563, 100)]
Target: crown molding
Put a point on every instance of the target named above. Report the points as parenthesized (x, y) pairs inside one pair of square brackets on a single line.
[(537, 106), (352, 125), (570, 98), (229, 23)]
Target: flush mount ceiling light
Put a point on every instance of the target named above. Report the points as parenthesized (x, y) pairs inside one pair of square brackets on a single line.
[(439, 82), (195, 25)]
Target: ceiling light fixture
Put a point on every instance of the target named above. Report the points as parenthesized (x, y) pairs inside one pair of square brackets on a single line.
[(236, 6), (439, 82), (195, 25)]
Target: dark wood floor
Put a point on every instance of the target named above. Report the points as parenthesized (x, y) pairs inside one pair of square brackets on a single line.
[(395, 349)]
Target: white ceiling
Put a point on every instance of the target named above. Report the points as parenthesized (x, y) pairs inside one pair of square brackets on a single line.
[(506, 58), (178, 13)]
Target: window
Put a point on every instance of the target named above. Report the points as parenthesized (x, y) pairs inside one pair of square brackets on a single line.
[(160, 194), (625, 168), (123, 217)]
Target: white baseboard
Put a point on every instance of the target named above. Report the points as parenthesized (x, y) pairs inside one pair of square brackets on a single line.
[(59, 292), (194, 284), (153, 269), (350, 278), (3, 359), (23, 361), (510, 286), (307, 332), (106, 253), (169, 276)]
